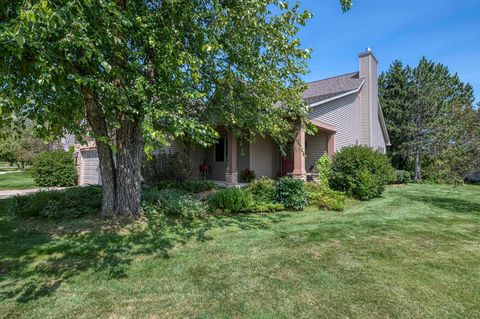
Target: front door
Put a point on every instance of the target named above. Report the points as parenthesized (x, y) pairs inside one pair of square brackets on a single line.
[(287, 160)]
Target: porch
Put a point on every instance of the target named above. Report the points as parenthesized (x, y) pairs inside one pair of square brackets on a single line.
[(225, 160)]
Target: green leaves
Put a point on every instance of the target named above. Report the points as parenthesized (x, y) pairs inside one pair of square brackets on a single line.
[(182, 68), (31, 16), (425, 111), (346, 5), (20, 39), (106, 66)]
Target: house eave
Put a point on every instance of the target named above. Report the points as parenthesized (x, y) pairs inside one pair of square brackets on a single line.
[(323, 126), (384, 126), (338, 96)]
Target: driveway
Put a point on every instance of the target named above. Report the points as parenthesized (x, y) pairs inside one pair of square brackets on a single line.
[(8, 172)]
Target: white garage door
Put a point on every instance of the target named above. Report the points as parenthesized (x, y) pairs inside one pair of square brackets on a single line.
[(90, 170)]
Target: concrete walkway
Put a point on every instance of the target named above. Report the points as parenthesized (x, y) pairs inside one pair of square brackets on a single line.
[(8, 172), (14, 192), (224, 184)]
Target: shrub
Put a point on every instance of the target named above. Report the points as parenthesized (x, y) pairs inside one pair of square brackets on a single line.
[(167, 184), (72, 202), (231, 200), (167, 167), (262, 207), (324, 165), (54, 168), (325, 198), (442, 171), (247, 175), (189, 185), (402, 177), (173, 203), (197, 186), (262, 189), (332, 200), (368, 186), (235, 200), (291, 193), (356, 168)]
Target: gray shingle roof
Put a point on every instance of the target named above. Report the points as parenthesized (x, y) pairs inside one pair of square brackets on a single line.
[(327, 88)]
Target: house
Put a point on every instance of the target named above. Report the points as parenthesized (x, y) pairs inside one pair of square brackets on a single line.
[(345, 109)]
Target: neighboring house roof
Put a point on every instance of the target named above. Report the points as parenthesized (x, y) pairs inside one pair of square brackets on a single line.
[(325, 90)]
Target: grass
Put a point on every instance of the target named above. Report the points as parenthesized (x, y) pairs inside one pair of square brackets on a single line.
[(5, 167), (412, 253), (17, 180)]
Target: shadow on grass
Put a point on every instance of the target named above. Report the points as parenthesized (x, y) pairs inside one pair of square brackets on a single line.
[(453, 205), (37, 256)]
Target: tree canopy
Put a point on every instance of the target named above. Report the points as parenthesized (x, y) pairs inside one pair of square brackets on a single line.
[(153, 60), (134, 73), (430, 114)]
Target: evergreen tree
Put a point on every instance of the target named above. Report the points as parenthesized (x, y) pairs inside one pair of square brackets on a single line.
[(395, 90), (429, 113)]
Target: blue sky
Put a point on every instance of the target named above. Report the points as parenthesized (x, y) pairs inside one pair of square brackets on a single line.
[(445, 31)]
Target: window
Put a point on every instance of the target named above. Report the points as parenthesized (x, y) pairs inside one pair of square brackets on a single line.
[(221, 150)]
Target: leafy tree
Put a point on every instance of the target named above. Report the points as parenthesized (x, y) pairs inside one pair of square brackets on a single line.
[(462, 156), (8, 149), (143, 71), (19, 145), (428, 111)]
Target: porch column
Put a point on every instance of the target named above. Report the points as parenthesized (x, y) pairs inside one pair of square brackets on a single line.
[(231, 177), (299, 155), (331, 144)]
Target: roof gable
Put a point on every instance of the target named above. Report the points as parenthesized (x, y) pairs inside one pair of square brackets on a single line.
[(331, 88)]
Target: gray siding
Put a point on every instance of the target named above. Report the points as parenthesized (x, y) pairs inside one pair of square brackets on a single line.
[(197, 154), (380, 138), (316, 147), (218, 169), (262, 157), (174, 147), (375, 142), (243, 157), (344, 114)]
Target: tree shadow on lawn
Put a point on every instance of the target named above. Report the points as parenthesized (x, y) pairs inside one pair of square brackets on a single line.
[(453, 205), (37, 255)]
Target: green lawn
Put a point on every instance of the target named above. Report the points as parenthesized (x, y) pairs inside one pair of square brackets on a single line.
[(415, 253), (18, 180), (5, 167)]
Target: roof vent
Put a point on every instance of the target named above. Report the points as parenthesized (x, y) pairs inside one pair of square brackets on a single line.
[(369, 49)]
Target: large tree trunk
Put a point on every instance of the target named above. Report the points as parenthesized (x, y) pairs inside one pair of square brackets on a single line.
[(129, 160), (108, 177), (418, 174), (96, 120)]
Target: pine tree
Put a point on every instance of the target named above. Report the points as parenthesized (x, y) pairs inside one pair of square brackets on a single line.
[(429, 114)]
